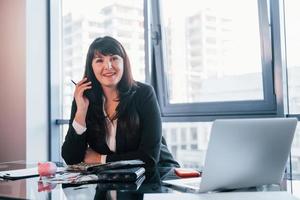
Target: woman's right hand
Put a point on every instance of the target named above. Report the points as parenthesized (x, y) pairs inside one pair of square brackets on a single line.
[(82, 102)]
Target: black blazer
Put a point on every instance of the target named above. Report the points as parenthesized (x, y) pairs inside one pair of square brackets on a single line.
[(145, 144)]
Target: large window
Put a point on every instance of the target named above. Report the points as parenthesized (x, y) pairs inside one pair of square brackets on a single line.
[(188, 142), (212, 53), (214, 60), (205, 62), (292, 17)]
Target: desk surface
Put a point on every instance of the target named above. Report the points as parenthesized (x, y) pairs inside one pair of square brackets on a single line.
[(150, 189)]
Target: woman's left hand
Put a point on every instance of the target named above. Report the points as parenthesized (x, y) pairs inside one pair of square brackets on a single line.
[(92, 157)]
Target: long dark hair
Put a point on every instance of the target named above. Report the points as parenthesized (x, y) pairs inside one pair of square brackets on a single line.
[(125, 111)]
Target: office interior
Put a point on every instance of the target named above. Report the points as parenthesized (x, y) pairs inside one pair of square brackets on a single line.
[(206, 60)]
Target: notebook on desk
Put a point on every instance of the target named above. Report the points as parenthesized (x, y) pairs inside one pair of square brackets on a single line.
[(19, 173), (243, 153)]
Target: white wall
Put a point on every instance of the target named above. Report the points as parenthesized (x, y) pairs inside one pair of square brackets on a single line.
[(36, 81), (23, 75)]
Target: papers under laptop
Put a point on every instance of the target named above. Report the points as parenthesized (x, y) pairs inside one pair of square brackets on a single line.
[(243, 153)]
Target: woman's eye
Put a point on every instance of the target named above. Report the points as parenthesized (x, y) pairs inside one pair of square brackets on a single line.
[(99, 60)]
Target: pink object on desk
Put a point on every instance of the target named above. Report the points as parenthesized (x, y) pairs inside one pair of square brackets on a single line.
[(47, 168)]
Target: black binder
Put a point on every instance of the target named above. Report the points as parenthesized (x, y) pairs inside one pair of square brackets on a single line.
[(121, 175), (127, 186)]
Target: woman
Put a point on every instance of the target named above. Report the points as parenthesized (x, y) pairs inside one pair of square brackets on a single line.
[(113, 117)]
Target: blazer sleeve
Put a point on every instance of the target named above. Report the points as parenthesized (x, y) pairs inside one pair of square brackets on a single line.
[(74, 146), (150, 129)]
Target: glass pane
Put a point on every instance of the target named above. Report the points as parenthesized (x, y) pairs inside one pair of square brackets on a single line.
[(83, 21), (292, 17), (296, 186), (212, 53), (188, 142), (296, 153)]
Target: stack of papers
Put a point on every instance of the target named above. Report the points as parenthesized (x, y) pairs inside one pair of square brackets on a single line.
[(66, 177), (106, 166), (129, 175)]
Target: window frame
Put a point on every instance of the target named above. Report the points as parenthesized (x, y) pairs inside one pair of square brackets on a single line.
[(212, 110)]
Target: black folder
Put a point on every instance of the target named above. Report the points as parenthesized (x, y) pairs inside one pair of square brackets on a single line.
[(121, 175), (127, 186)]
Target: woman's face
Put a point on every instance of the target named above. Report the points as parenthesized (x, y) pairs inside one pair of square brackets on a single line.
[(108, 69)]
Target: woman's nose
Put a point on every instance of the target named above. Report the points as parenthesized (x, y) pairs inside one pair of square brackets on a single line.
[(108, 65)]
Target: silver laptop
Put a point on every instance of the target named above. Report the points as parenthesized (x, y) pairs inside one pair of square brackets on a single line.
[(243, 153)]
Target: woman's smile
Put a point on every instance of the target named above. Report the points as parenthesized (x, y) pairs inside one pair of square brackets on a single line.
[(109, 74)]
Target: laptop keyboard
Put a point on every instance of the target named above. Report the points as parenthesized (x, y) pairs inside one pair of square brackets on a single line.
[(194, 184)]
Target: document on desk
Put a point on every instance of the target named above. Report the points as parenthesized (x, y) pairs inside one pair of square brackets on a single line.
[(81, 167), (19, 173), (24, 173)]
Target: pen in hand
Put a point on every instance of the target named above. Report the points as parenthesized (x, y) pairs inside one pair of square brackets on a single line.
[(73, 82), (85, 92)]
